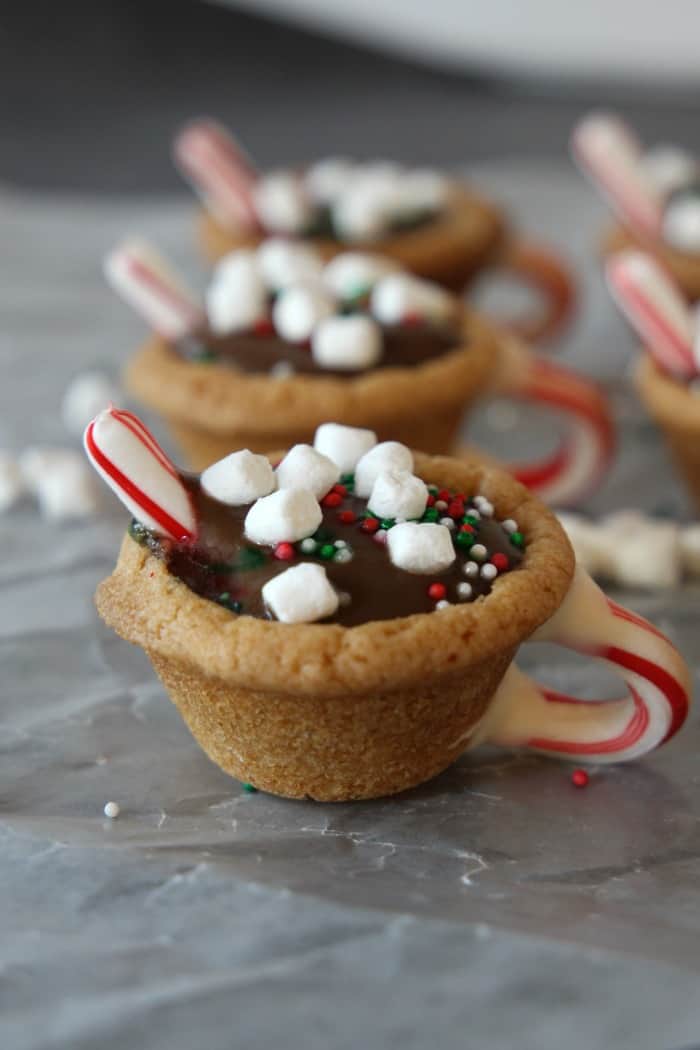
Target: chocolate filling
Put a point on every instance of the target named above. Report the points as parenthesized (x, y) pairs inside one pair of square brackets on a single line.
[(225, 567), (404, 346)]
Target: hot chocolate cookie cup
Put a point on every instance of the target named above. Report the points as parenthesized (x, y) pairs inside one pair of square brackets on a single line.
[(468, 236), (676, 409), (212, 409), (336, 713), (684, 267)]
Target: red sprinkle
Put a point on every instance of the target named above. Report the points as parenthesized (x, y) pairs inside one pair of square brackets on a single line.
[(340, 489), (284, 552), (437, 591), (500, 561), (347, 517), (412, 318), (431, 500), (370, 524), (332, 499), (444, 495), (466, 527), (455, 509), (264, 326), (579, 778)]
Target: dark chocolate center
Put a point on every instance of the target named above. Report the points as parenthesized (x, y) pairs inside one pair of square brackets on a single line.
[(225, 567)]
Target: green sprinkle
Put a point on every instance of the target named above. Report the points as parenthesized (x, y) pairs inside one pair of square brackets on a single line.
[(517, 539), (348, 480), (327, 551), (431, 514), (322, 535), (469, 519), (228, 602), (465, 539), (204, 357), (250, 789), (387, 523), (249, 558), (433, 490), (138, 532)]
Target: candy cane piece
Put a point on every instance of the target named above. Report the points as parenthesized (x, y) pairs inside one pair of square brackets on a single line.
[(588, 444), (608, 152), (214, 164), (526, 714), (147, 283), (655, 308), (125, 453)]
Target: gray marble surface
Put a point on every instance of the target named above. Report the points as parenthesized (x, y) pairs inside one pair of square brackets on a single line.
[(495, 907)]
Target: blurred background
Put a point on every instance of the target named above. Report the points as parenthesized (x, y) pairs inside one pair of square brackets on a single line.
[(93, 92)]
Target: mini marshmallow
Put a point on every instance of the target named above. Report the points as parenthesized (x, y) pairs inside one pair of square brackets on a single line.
[(284, 262), (85, 397), (347, 343), (420, 191), (420, 548), (68, 491), (282, 203), (301, 594), (11, 483), (284, 516), (326, 179), (681, 223), (385, 457), (590, 542), (670, 168), (363, 209), (305, 468), (645, 555), (298, 310), (39, 460), (690, 549), (236, 297), (351, 274), (398, 495), (344, 445), (399, 294), (239, 478)]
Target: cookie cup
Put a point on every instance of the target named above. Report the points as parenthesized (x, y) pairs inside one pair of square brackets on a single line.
[(333, 713), (677, 411), (212, 409), (683, 266)]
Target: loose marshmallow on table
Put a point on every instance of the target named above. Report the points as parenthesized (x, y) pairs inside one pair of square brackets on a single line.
[(287, 515), (351, 274), (236, 296), (399, 294), (283, 262), (326, 179), (299, 309), (68, 491), (387, 456), (282, 203), (590, 542), (681, 223), (301, 594), (398, 495), (645, 552), (347, 342), (86, 395), (239, 478), (11, 482), (305, 467), (39, 460), (421, 548), (344, 445), (669, 167)]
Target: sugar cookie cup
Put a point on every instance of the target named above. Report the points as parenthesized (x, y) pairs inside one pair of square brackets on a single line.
[(332, 713)]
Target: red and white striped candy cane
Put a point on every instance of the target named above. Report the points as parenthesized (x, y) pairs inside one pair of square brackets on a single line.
[(656, 309), (125, 453), (219, 171), (147, 283), (587, 446), (525, 714), (609, 153)]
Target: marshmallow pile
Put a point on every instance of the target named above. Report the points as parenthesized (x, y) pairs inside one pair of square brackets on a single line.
[(310, 300), (59, 480), (633, 550), (287, 508), (363, 202)]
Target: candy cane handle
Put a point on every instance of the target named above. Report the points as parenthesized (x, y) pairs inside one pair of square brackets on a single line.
[(587, 446), (547, 274), (526, 714)]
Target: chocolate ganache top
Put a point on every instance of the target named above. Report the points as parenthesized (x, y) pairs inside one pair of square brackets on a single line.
[(224, 566)]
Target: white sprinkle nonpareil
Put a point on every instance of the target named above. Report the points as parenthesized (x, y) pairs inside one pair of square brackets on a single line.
[(111, 810)]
